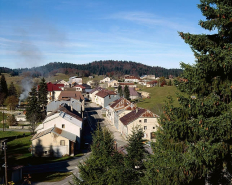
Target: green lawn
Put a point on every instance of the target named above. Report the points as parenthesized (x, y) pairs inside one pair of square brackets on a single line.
[(158, 95)]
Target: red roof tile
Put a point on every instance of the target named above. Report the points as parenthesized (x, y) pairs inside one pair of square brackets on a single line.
[(135, 114), (70, 94), (103, 93)]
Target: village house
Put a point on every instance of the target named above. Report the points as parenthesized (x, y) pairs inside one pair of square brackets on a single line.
[(139, 117), (75, 81), (113, 83), (93, 92), (66, 84), (123, 84), (151, 83), (54, 91), (79, 88), (116, 108), (58, 125), (131, 79), (104, 97), (107, 79), (53, 142), (151, 77)]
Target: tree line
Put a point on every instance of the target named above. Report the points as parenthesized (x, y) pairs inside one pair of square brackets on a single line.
[(106, 67)]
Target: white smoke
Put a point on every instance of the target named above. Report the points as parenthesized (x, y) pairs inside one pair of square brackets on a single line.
[(26, 84)]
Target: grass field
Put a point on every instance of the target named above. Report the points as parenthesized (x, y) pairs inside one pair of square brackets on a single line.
[(158, 95)]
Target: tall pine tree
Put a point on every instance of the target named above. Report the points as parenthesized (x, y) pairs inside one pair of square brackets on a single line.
[(126, 92), (120, 90), (4, 88), (12, 90), (194, 142), (42, 94), (33, 110), (105, 164)]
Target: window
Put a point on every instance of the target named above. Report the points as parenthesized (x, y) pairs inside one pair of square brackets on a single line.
[(145, 127), (62, 142), (45, 152), (153, 127), (145, 120), (63, 125), (139, 121), (152, 135)]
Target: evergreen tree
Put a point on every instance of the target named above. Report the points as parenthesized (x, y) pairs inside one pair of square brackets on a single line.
[(105, 164), (12, 90), (194, 141), (4, 88), (33, 110), (126, 92), (170, 83), (120, 90), (42, 94), (135, 155)]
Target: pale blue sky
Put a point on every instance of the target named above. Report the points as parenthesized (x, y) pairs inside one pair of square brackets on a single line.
[(36, 32)]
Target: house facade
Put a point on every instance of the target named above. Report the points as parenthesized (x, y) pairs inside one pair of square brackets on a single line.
[(123, 84), (113, 83), (75, 81), (93, 92), (131, 79), (107, 79), (54, 91), (66, 84), (143, 118), (79, 88), (53, 142), (105, 97)]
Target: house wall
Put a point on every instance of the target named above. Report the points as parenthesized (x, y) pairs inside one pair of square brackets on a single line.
[(50, 143), (92, 96), (151, 124), (58, 122)]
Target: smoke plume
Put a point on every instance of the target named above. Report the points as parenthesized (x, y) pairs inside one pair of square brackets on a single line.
[(26, 84)]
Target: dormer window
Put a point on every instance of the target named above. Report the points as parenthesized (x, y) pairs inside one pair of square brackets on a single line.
[(63, 125)]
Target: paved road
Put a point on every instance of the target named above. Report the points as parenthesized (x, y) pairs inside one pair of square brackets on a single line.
[(94, 116)]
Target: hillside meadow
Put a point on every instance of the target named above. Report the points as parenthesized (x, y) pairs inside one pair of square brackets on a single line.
[(158, 96)]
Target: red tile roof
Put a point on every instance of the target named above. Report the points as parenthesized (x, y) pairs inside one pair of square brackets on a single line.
[(54, 87), (121, 104), (122, 83), (70, 94), (135, 114), (131, 77), (152, 82), (103, 93)]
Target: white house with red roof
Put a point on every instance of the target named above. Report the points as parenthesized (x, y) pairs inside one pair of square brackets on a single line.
[(131, 79), (79, 88), (54, 91), (143, 118), (104, 97)]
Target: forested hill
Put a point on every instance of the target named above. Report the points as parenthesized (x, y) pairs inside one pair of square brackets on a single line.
[(109, 67)]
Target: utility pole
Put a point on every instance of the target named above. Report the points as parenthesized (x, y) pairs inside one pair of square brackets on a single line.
[(3, 118), (5, 163)]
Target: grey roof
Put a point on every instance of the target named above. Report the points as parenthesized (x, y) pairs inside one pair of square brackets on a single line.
[(57, 131), (76, 104)]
